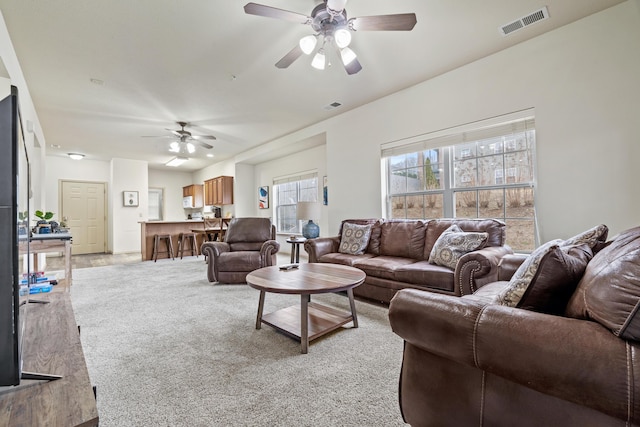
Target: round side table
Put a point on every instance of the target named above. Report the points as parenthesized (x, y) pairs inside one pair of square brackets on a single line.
[(295, 248)]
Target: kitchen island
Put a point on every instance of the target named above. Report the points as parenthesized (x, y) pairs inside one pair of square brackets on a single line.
[(148, 229)]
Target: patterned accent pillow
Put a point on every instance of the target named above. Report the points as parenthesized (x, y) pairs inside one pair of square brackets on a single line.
[(453, 243), (525, 274), (355, 238), (594, 237)]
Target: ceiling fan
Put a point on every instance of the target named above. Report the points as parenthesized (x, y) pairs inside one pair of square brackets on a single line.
[(330, 24), (184, 144)]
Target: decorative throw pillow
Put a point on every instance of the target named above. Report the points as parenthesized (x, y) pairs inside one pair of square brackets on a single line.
[(453, 243), (556, 279), (595, 237), (547, 278), (523, 276), (355, 238)]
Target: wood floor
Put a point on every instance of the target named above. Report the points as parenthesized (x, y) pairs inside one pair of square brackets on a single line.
[(93, 260), (97, 260)]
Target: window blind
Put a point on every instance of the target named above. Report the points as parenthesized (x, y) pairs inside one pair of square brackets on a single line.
[(490, 128)]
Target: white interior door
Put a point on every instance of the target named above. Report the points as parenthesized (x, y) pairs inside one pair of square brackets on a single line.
[(83, 209)]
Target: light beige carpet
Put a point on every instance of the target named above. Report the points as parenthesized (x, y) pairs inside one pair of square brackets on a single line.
[(165, 347)]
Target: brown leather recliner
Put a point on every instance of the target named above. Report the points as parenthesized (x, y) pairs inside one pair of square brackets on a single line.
[(249, 245)]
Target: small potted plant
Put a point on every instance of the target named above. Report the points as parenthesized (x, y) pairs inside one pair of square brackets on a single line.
[(43, 226)]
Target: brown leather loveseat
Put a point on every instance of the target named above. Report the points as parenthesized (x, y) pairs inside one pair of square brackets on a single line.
[(480, 361), (398, 255)]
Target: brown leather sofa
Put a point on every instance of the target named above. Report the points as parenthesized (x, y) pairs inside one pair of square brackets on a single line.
[(249, 244), (472, 362), (398, 252)]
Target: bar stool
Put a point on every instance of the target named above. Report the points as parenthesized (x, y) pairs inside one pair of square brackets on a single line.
[(168, 243), (184, 239)]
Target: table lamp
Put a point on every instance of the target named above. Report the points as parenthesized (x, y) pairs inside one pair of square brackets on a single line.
[(309, 211)]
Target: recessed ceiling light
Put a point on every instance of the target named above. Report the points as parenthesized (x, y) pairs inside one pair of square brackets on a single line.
[(55, 145), (176, 161), (209, 155)]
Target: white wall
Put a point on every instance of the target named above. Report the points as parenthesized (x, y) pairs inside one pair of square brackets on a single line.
[(172, 182), (127, 175), (314, 159), (582, 80)]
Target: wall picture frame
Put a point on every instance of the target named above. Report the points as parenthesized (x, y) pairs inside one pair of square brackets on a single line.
[(263, 197), (325, 191), (130, 198)]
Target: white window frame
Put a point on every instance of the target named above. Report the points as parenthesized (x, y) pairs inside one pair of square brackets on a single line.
[(456, 141), (155, 213), (301, 187)]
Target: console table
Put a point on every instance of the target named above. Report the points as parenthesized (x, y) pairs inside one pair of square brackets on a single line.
[(51, 346), (54, 242)]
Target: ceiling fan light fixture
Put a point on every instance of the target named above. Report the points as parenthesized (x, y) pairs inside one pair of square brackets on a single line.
[(174, 147), (319, 60), (76, 156), (176, 161), (308, 43), (342, 37), (347, 55), (190, 147)]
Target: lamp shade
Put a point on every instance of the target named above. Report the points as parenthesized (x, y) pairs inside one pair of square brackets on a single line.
[(308, 210)]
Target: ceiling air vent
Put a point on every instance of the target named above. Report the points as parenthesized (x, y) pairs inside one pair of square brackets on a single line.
[(332, 106), (525, 21)]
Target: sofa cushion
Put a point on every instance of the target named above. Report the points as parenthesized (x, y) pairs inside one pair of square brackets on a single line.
[(546, 279), (609, 291), (354, 239), (426, 274), (344, 259), (402, 238), (453, 243), (382, 266)]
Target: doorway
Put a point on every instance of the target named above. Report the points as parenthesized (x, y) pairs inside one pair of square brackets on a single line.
[(83, 209)]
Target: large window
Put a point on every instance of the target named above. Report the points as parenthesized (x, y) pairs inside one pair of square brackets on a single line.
[(482, 173), (287, 193)]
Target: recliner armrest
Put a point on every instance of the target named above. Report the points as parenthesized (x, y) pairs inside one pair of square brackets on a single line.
[(576, 360), (267, 252), (211, 250), (478, 268), (321, 246)]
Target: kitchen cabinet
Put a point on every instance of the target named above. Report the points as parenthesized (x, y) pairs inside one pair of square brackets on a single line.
[(218, 191), (195, 192)]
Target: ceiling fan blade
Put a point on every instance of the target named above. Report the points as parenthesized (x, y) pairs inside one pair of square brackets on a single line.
[(398, 22), (205, 145), (353, 67), (175, 132), (199, 137), (272, 12), (288, 59)]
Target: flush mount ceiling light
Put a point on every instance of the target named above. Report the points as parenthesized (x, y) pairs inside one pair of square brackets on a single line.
[(329, 21), (76, 156), (176, 161)]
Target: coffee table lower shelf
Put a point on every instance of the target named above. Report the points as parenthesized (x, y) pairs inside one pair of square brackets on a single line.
[(321, 321)]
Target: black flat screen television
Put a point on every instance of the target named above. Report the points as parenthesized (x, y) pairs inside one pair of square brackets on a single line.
[(15, 189)]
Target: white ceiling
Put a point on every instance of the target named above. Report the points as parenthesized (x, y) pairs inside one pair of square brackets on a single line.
[(208, 63)]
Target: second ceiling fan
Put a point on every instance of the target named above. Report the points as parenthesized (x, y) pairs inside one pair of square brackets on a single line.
[(333, 29)]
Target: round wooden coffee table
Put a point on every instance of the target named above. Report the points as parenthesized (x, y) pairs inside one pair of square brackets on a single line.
[(310, 320)]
